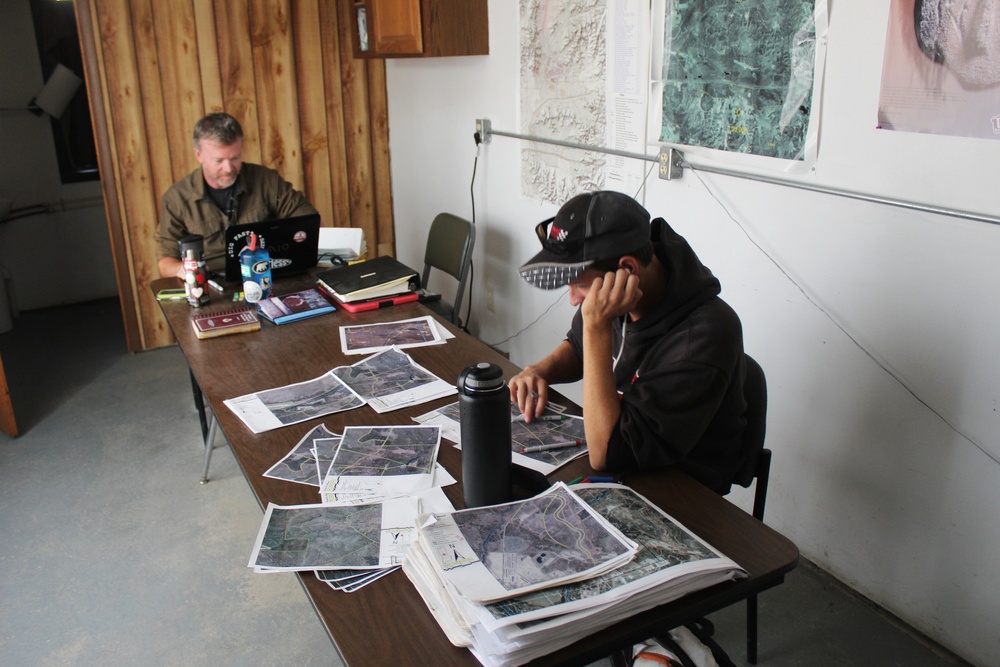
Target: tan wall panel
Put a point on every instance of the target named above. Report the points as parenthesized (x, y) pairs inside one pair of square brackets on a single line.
[(239, 87), (379, 120), (180, 78), (277, 92), (357, 137), (333, 97), (312, 107), (208, 56), (132, 156), (148, 65)]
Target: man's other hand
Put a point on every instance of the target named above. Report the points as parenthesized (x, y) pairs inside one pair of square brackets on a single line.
[(531, 393)]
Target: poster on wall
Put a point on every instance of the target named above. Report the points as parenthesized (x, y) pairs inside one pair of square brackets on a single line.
[(739, 76), (941, 70), (583, 80)]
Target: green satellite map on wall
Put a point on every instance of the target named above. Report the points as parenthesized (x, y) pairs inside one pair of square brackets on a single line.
[(738, 75)]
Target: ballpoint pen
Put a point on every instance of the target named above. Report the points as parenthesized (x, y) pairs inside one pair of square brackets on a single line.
[(543, 418), (554, 445)]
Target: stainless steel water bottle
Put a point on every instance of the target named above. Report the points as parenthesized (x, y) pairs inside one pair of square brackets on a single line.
[(195, 279), (484, 418)]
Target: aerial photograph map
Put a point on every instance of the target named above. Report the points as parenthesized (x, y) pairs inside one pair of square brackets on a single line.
[(404, 333), (299, 465), (298, 402), (382, 374), (386, 450), (320, 537), (538, 540)]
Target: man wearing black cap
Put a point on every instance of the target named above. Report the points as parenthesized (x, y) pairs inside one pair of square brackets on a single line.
[(660, 354)]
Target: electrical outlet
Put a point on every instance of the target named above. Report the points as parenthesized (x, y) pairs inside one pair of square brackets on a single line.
[(670, 163), (490, 303)]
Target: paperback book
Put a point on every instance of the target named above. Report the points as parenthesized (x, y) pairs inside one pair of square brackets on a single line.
[(210, 325), (295, 306)]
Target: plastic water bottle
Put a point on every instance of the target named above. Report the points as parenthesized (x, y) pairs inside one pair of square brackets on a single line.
[(484, 418), (255, 269), (195, 279)]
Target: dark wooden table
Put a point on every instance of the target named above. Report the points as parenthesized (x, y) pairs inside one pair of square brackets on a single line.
[(386, 622)]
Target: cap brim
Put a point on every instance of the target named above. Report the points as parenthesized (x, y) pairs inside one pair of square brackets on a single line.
[(544, 272)]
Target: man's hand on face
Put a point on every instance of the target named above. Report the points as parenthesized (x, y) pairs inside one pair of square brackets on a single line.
[(610, 296)]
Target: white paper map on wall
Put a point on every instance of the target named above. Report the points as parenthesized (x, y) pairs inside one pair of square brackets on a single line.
[(941, 69), (738, 76), (571, 90)]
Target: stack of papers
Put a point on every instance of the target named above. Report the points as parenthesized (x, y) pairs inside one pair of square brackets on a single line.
[(388, 380), (502, 582), (395, 456), (376, 462), (351, 545), (368, 467)]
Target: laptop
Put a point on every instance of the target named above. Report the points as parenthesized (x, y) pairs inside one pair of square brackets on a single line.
[(292, 242)]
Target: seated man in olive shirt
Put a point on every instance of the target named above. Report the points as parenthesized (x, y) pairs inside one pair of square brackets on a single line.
[(223, 191)]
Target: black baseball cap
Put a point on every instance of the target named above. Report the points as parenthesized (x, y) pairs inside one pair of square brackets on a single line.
[(589, 227)]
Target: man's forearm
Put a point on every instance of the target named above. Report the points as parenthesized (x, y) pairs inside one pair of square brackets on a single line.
[(601, 407), (561, 366), (171, 267)]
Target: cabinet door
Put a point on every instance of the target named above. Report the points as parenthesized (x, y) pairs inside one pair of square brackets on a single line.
[(396, 27)]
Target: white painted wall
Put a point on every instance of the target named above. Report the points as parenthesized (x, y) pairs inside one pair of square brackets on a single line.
[(52, 258), (868, 479)]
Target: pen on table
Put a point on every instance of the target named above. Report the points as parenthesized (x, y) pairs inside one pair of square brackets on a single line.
[(368, 275), (597, 479), (543, 418), (554, 445), (216, 286), (575, 481)]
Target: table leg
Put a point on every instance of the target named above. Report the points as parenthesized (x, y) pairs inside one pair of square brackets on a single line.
[(199, 403)]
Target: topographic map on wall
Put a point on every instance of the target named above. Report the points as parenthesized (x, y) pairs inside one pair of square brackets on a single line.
[(738, 74), (573, 91), (563, 61)]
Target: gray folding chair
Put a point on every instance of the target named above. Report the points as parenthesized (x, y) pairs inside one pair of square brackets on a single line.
[(449, 249), (757, 465)]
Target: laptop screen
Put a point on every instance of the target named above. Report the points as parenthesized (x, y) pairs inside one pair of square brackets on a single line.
[(293, 244)]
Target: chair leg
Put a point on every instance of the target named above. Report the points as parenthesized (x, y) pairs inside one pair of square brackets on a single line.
[(209, 443), (752, 629), (622, 658)]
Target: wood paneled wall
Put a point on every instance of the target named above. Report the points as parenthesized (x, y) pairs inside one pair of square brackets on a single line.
[(282, 67)]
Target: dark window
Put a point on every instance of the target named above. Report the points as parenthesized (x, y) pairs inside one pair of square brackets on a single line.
[(59, 43)]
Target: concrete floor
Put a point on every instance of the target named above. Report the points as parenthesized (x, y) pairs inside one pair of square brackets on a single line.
[(113, 554)]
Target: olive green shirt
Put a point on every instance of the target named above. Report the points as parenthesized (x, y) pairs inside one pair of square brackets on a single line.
[(261, 194)]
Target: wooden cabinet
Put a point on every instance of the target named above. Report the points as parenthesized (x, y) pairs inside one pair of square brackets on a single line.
[(420, 28)]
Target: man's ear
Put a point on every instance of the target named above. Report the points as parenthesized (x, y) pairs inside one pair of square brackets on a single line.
[(628, 263)]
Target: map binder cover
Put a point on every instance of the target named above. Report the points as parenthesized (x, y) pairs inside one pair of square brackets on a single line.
[(226, 322), (379, 277), (295, 306)]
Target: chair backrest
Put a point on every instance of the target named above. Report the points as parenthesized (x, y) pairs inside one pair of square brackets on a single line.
[(449, 249), (755, 394)]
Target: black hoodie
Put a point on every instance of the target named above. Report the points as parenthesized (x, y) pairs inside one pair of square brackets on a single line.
[(679, 375)]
